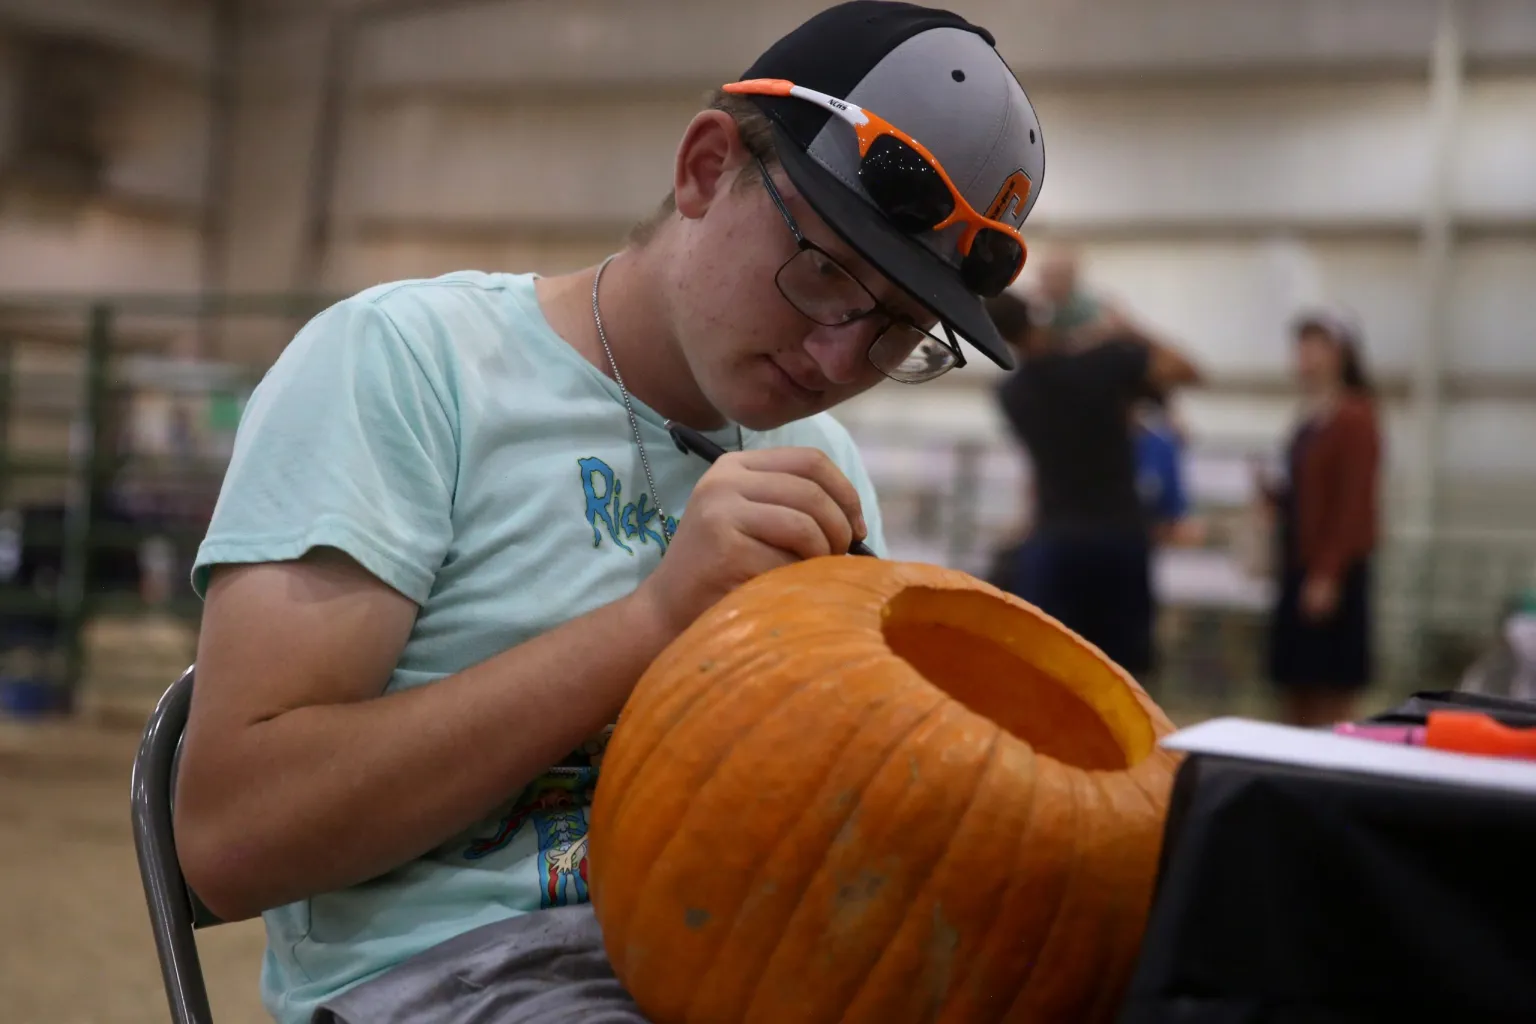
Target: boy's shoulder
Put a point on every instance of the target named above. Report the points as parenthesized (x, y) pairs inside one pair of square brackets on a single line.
[(443, 287), (443, 323), (425, 302)]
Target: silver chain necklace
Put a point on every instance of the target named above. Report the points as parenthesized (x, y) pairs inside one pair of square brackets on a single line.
[(667, 529)]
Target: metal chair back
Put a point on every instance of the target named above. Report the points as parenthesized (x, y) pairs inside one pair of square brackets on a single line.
[(175, 912)]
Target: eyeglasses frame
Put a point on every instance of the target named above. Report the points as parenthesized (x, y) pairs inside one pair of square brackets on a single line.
[(804, 244)]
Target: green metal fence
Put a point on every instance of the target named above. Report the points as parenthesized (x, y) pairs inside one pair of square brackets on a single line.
[(116, 415)]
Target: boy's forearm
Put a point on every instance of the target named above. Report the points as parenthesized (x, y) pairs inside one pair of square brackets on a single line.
[(348, 792)]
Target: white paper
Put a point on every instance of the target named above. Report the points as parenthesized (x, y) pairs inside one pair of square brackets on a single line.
[(1283, 744)]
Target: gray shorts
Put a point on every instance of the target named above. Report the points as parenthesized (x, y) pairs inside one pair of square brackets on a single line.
[(547, 967)]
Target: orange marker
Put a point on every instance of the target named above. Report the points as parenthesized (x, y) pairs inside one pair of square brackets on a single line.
[(1472, 732)]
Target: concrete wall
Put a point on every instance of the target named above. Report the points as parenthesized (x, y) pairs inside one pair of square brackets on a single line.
[(584, 43), (1222, 161), (142, 229)]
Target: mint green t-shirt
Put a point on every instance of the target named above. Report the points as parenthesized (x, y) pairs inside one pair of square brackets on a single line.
[(443, 435)]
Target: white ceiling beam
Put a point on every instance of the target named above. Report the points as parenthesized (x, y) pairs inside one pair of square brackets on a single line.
[(587, 44)]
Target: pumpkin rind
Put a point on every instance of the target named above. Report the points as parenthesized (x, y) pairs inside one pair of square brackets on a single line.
[(793, 823)]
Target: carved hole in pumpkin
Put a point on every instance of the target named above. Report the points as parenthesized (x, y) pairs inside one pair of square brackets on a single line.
[(1020, 670)]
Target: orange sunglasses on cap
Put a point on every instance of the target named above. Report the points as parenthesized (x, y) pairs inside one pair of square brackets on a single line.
[(911, 188)]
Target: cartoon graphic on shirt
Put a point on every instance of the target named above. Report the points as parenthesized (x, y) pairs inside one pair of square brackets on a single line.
[(555, 804), (563, 857), (606, 511)]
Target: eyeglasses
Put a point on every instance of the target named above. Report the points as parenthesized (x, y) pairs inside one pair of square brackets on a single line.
[(912, 189), (823, 291)]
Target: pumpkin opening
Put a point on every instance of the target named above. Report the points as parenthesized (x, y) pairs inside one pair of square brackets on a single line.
[(1023, 672)]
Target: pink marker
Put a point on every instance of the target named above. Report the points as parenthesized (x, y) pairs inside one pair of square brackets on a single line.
[(1410, 735)]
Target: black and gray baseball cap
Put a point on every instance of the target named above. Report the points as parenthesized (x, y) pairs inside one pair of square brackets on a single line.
[(939, 79)]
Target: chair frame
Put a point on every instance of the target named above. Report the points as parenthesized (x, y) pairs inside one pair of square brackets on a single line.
[(175, 912)]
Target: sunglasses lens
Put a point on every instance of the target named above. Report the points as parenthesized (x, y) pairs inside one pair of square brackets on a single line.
[(994, 261), (904, 185)]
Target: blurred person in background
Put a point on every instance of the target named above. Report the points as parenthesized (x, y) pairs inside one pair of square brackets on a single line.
[(454, 530), (1325, 515), (1086, 559), (1078, 316), (1160, 444), (1071, 311)]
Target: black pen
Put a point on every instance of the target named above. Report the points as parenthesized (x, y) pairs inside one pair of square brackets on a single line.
[(689, 440)]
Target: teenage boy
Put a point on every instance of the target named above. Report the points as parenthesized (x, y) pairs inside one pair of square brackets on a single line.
[(452, 534)]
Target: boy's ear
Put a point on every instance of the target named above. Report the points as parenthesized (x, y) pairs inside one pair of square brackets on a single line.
[(709, 157)]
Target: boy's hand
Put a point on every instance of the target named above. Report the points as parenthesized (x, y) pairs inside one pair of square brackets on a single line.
[(751, 512)]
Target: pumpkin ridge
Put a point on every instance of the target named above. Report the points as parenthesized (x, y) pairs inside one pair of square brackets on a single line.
[(623, 761), (1125, 898), (1105, 966), (780, 698), (610, 817), (1144, 779), (920, 891), (1120, 960), (662, 711), (1019, 841), (787, 835), (1134, 781), (642, 884), (1076, 779), (857, 895), (1038, 896), (984, 934), (709, 696), (853, 808)]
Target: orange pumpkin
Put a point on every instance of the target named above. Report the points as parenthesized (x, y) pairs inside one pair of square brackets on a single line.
[(861, 790)]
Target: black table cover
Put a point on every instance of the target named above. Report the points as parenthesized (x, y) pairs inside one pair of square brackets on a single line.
[(1289, 894)]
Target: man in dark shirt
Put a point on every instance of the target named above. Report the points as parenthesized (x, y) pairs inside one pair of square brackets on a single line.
[(1087, 557)]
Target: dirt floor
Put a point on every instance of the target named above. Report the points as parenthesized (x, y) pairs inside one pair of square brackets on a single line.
[(75, 944)]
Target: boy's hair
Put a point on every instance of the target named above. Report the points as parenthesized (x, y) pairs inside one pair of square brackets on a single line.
[(756, 134)]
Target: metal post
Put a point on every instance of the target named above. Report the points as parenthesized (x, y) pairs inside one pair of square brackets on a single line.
[(7, 361), (223, 104), (964, 498), (319, 207), (1437, 244), (92, 459), (343, 34)]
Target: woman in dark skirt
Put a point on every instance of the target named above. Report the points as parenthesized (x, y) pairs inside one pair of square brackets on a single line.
[(1326, 531)]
